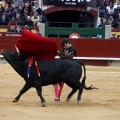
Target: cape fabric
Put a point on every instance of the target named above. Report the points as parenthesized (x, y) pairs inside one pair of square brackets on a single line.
[(31, 44)]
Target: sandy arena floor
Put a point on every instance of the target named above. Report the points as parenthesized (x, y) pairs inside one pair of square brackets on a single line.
[(102, 104)]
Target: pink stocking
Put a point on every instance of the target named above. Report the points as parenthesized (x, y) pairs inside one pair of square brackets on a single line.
[(56, 91), (60, 90)]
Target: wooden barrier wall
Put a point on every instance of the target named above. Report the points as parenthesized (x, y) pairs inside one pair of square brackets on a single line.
[(95, 47), (85, 48), (8, 42)]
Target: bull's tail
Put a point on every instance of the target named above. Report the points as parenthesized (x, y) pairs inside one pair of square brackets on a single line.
[(84, 78)]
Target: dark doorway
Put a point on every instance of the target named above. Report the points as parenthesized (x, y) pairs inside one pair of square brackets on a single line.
[(69, 16), (64, 16)]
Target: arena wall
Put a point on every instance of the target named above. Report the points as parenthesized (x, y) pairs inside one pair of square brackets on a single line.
[(90, 51)]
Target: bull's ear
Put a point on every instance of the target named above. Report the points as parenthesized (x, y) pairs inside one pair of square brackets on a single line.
[(17, 50)]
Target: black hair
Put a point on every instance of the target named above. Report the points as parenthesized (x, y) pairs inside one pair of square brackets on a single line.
[(64, 41)]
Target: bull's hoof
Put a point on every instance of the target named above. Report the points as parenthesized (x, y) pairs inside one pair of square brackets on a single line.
[(78, 101), (67, 99), (15, 100), (43, 104)]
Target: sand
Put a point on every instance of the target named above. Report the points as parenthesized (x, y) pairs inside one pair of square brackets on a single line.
[(102, 104)]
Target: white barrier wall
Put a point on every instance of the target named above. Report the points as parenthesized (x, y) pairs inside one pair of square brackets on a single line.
[(107, 31), (42, 29)]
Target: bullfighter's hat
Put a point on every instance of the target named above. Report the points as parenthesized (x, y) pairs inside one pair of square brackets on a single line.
[(31, 44)]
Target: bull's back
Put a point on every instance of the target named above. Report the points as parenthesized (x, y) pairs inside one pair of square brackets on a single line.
[(64, 68), (49, 65), (73, 70)]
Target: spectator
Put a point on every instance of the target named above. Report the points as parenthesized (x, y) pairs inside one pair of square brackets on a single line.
[(32, 12), (103, 12), (26, 9), (24, 18), (18, 29), (3, 3), (43, 17), (38, 32), (37, 8), (35, 19), (6, 15), (101, 4), (106, 3), (113, 36), (20, 8), (41, 13), (3, 21), (111, 2), (14, 12), (116, 3), (9, 2), (18, 20), (110, 10), (13, 22), (28, 21), (32, 3), (82, 18), (103, 21), (26, 27), (88, 15), (1, 10), (118, 20), (24, 1), (110, 20), (11, 28), (115, 24), (18, 2)]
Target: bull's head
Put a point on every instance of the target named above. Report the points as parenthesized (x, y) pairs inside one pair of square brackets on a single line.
[(9, 56), (13, 58)]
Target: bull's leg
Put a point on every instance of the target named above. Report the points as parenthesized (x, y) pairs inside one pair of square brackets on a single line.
[(39, 92), (38, 86), (25, 88), (79, 93), (71, 93)]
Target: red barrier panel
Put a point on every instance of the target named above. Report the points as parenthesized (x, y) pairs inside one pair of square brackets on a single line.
[(85, 48), (95, 47), (8, 42)]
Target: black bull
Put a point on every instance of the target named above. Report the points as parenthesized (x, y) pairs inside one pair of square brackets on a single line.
[(51, 72)]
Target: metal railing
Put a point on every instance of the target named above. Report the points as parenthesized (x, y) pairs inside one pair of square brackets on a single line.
[(64, 29)]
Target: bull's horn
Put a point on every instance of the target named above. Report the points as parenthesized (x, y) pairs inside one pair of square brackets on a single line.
[(17, 50), (2, 51)]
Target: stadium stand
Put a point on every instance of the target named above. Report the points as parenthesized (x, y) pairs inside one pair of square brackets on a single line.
[(19, 11)]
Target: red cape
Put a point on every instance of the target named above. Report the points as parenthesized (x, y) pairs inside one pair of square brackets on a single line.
[(31, 44)]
